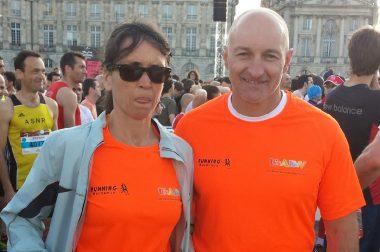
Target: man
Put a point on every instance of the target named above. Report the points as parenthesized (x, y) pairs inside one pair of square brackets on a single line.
[(2, 66), (73, 65), (286, 82), (304, 82), (225, 82), (314, 92), (356, 108), (332, 82), (10, 82), (100, 102), (91, 93), (25, 122), (185, 100), (51, 78), (368, 163), (257, 188), (3, 89), (85, 113), (169, 110)]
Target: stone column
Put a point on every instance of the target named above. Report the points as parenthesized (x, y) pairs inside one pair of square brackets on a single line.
[(341, 42), (59, 42), (318, 41), (295, 36)]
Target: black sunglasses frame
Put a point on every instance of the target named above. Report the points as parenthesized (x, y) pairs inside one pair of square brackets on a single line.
[(131, 72)]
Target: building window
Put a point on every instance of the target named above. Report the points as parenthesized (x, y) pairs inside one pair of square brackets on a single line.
[(95, 36), (167, 11), (210, 69), (191, 39), (168, 31), (72, 35), (305, 47), (48, 8), (329, 41), (48, 36), (212, 39), (307, 24), (143, 10), (354, 25), (188, 67), (95, 10), (16, 7), (48, 62), (71, 9), (119, 11), (191, 12), (16, 34)]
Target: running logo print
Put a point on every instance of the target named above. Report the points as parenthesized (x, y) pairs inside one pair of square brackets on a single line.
[(214, 162)]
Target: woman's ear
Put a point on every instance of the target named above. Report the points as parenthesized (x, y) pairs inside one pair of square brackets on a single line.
[(107, 78)]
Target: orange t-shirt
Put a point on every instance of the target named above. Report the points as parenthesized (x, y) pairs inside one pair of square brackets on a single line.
[(133, 199), (257, 184)]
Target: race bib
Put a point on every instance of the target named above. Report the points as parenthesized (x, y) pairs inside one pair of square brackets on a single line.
[(31, 142)]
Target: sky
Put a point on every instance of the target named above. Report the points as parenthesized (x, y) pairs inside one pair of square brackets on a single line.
[(249, 4), (246, 5)]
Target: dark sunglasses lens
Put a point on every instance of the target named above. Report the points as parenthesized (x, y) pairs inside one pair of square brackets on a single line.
[(158, 74), (130, 72)]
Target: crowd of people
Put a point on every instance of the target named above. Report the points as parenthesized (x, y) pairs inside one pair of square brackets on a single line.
[(138, 159)]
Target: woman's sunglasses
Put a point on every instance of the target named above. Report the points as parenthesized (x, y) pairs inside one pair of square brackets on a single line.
[(131, 72)]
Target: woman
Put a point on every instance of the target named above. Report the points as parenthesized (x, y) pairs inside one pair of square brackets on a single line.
[(120, 183), (193, 75)]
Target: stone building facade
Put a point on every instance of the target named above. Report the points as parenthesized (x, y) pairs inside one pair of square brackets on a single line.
[(320, 30), (52, 27)]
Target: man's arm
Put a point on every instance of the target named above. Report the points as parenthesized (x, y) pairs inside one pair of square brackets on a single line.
[(53, 109), (6, 112), (68, 100), (343, 234), (368, 163)]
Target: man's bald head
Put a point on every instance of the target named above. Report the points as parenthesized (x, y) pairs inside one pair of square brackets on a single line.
[(252, 19), (3, 88), (185, 100)]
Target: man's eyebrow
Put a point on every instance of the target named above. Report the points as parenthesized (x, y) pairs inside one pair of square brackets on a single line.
[(241, 48)]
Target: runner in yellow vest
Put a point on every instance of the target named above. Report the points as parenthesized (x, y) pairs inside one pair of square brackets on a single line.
[(26, 120)]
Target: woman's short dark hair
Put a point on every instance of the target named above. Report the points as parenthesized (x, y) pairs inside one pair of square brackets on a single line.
[(137, 32), (363, 51)]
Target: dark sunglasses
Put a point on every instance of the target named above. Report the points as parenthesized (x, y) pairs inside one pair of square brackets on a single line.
[(132, 72)]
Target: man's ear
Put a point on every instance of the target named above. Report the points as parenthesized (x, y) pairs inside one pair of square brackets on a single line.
[(288, 59), (225, 56), (19, 74)]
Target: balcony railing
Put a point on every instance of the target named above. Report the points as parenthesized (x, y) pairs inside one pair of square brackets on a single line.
[(47, 48), (187, 52), (305, 59), (329, 59), (210, 52)]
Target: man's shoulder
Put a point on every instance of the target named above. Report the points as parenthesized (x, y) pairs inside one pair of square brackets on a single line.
[(212, 106), (6, 109), (211, 109), (309, 113)]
